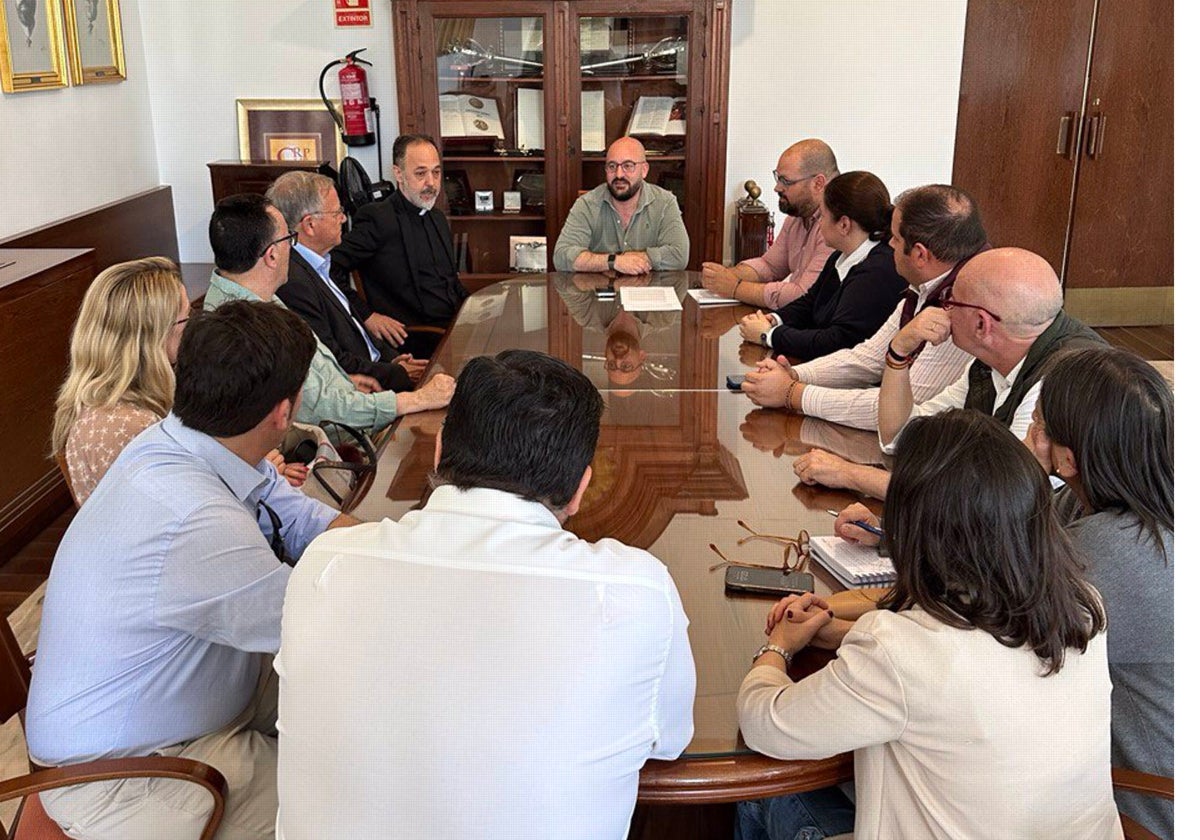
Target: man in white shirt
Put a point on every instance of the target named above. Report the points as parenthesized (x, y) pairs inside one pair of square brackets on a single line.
[(473, 669), (1005, 310), (935, 229)]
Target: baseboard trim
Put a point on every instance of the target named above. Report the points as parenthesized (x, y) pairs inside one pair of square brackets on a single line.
[(1135, 306)]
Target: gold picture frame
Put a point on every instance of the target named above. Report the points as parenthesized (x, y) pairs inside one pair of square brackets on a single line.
[(31, 54), (288, 129), (95, 46)]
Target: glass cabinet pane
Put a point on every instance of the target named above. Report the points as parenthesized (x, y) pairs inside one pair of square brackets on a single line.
[(491, 101), (634, 81)]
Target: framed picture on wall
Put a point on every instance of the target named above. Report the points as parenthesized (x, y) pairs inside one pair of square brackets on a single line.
[(95, 47), (31, 55), (288, 129)]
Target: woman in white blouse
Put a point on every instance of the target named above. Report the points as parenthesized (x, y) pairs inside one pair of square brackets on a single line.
[(976, 698)]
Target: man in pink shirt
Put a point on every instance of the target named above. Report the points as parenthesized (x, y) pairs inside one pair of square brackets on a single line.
[(799, 253)]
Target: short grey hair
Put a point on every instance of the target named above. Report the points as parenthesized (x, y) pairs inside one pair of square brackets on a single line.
[(298, 194)]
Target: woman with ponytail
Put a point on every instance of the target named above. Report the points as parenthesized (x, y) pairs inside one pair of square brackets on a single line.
[(858, 288)]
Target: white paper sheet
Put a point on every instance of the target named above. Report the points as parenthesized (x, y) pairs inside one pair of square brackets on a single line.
[(531, 126), (591, 111), (649, 299), (706, 298)]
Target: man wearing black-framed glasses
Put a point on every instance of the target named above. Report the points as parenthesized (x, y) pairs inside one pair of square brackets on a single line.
[(249, 237), (626, 225), (791, 265)]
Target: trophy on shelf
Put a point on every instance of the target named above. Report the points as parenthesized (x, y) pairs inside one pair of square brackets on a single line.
[(750, 231)]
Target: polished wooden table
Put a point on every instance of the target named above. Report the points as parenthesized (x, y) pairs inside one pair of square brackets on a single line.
[(680, 461)]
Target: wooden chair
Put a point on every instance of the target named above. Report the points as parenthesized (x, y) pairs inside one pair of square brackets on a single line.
[(1144, 783), (31, 821)]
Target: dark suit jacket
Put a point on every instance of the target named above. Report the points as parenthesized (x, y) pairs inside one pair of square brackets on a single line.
[(306, 294), (834, 313), (377, 249)]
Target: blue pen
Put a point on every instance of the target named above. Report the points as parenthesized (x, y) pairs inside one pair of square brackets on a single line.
[(866, 526)]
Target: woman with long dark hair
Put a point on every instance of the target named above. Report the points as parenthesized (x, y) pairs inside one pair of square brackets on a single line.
[(1105, 425), (857, 289), (976, 697)]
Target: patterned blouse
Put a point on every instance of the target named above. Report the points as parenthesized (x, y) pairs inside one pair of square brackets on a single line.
[(97, 438)]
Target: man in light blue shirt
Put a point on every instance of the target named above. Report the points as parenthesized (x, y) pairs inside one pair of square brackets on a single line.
[(168, 588), (251, 247)]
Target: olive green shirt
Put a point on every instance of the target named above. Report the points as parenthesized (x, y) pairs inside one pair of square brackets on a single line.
[(594, 225), (328, 393)]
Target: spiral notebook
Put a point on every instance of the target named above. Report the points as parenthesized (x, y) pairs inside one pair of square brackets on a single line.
[(853, 564)]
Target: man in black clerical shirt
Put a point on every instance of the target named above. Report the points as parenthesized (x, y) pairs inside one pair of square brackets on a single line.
[(402, 247)]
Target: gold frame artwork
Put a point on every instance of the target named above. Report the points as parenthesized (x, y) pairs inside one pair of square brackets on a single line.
[(304, 125), (114, 69), (14, 79)]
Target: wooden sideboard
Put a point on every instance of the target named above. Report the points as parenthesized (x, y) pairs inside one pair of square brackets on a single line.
[(40, 293), (230, 177)]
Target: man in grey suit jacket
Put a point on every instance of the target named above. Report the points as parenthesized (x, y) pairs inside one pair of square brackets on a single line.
[(310, 206)]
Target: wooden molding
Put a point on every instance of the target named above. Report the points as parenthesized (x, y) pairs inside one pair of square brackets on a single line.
[(1133, 306)]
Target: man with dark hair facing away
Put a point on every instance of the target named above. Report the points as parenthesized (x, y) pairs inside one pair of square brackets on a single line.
[(402, 248), (168, 588), (476, 638)]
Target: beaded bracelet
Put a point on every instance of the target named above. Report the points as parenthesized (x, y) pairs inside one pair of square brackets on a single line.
[(787, 402), (904, 365)]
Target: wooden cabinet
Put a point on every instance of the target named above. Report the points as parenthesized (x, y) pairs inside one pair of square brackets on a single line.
[(230, 177), (535, 90), (1065, 139)]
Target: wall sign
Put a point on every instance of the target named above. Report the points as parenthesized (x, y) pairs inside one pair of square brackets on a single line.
[(352, 13)]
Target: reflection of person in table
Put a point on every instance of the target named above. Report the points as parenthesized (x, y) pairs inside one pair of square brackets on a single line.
[(924, 688)]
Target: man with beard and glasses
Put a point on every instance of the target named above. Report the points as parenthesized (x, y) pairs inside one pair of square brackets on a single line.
[(626, 224), (791, 265), (402, 248)]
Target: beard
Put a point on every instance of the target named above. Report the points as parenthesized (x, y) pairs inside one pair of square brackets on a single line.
[(624, 192), (425, 199), (789, 208)]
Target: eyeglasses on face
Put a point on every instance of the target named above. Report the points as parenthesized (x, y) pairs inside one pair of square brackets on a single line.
[(790, 182), (626, 166), (622, 365), (290, 239), (798, 544), (341, 211), (948, 302)]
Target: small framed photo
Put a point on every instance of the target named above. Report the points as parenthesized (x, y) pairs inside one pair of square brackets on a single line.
[(512, 201), (31, 55), (484, 201), (288, 129), (94, 43)]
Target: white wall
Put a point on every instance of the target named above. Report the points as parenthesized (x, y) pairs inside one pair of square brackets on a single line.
[(876, 79), (205, 56), (66, 150)]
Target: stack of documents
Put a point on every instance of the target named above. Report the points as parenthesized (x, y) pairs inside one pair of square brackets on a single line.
[(706, 298), (649, 299), (853, 564)]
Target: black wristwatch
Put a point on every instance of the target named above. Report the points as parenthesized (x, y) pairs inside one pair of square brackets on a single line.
[(612, 262)]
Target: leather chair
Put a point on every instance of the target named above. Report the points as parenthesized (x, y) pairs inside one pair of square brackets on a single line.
[(1143, 783)]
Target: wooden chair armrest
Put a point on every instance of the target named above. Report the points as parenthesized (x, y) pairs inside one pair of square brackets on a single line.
[(165, 767), (1148, 783)]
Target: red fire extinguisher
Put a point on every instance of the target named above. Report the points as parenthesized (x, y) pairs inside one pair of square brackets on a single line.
[(356, 100)]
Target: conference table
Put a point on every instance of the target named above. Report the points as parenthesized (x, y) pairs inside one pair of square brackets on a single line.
[(681, 461)]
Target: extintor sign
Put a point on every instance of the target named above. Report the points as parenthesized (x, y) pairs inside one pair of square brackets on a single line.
[(351, 13)]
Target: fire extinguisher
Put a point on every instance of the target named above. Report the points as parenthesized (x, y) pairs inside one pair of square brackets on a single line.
[(356, 100)]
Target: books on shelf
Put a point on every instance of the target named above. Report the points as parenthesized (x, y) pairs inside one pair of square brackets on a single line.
[(468, 115), (855, 565), (658, 116)]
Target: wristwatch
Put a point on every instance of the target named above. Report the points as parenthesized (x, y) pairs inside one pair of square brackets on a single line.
[(612, 262), (787, 657)]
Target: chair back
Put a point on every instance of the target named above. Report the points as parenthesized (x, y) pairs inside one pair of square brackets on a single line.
[(14, 673)]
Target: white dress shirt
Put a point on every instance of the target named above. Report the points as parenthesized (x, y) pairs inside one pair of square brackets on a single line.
[(954, 734), (843, 387), (956, 397), (476, 671), (321, 266)]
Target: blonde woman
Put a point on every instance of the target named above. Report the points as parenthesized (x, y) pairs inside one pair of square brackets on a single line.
[(120, 379)]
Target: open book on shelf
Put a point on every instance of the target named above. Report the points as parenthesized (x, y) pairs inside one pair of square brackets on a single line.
[(468, 115), (658, 116)]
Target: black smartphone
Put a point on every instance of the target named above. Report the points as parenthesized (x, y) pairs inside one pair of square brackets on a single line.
[(734, 383), (767, 581)]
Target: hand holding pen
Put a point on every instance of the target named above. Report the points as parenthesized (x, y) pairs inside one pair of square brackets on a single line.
[(857, 524)]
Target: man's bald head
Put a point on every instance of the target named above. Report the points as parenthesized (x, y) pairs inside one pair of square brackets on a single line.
[(803, 171), (1016, 284), (626, 148), (813, 157)]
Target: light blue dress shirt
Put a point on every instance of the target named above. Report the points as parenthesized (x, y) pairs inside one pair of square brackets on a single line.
[(162, 594), (321, 266)]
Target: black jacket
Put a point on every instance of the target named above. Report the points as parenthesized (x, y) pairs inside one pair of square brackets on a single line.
[(834, 314), (376, 248), (306, 294)]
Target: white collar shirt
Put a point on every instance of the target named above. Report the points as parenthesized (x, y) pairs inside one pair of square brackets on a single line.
[(475, 645), (321, 266), (847, 261)]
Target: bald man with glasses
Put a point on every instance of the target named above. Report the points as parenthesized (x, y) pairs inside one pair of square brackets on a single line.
[(626, 224), (791, 265)]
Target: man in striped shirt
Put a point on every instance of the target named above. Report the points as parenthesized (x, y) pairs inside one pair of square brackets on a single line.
[(935, 229)]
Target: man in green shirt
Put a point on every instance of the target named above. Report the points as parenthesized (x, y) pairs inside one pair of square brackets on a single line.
[(251, 247), (625, 224)]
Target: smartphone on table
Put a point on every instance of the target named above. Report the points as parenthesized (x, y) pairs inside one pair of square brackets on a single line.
[(767, 581), (734, 383)]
